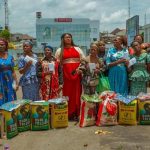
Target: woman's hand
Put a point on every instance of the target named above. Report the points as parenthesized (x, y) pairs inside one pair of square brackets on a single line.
[(97, 70), (49, 73), (29, 63), (78, 71), (127, 63), (17, 87), (60, 89)]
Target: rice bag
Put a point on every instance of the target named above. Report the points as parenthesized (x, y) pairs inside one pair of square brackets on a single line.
[(144, 112), (128, 113), (39, 115), (23, 116), (87, 114), (59, 114), (2, 125), (10, 111), (107, 113)]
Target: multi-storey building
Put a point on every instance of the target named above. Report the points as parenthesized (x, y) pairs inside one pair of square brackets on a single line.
[(83, 30)]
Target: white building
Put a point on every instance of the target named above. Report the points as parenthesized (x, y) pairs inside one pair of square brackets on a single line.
[(83, 30), (147, 33)]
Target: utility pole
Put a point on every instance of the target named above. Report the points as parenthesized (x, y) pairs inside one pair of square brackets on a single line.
[(129, 8), (6, 14), (145, 19)]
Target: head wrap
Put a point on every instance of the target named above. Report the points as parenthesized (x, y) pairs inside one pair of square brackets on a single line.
[(28, 43), (50, 47)]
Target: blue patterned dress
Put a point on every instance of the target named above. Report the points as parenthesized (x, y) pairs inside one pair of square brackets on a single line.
[(117, 74), (29, 81), (7, 92)]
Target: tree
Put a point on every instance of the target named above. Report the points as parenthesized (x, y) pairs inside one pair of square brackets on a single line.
[(5, 34)]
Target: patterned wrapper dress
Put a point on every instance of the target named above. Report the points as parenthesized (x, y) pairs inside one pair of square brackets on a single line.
[(49, 83), (139, 75), (7, 92), (29, 81)]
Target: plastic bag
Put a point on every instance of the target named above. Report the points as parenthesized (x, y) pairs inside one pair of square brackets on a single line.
[(103, 84)]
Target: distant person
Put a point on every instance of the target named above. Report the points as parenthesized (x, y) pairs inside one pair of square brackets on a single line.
[(116, 61), (7, 75), (70, 57), (138, 38), (28, 81), (49, 72), (139, 75)]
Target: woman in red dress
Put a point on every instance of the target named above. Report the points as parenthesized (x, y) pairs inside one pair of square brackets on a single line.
[(50, 75), (69, 56)]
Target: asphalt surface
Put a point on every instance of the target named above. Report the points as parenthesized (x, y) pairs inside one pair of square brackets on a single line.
[(75, 138)]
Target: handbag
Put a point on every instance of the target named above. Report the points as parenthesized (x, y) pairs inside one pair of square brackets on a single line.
[(103, 84)]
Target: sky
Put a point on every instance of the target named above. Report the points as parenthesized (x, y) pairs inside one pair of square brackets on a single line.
[(110, 13)]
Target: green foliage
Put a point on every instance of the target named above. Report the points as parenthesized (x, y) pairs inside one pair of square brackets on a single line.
[(5, 34), (142, 34)]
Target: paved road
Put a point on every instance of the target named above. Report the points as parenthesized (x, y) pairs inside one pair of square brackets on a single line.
[(76, 138)]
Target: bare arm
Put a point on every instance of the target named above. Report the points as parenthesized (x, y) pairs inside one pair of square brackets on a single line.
[(117, 62), (25, 68), (15, 79)]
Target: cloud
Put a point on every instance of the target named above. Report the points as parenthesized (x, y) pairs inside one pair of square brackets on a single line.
[(111, 13), (120, 15)]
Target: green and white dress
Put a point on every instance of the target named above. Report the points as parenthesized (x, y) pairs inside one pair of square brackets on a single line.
[(139, 75)]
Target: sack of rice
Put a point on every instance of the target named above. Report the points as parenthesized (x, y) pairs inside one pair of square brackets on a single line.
[(10, 111), (39, 115), (128, 113), (107, 113), (2, 126), (144, 112), (59, 115), (87, 114), (23, 116)]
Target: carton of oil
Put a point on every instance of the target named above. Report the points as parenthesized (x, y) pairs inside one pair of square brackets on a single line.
[(23, 116), (59, 115), (39, 115), (144, 112), (10, 110)]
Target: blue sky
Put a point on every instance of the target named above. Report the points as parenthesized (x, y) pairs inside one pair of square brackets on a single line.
[(111, 13)]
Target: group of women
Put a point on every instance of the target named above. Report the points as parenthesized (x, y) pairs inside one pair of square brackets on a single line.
[(126, 76), (71, 73)]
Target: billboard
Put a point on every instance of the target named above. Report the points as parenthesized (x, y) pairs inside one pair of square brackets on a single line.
[(132, 28)]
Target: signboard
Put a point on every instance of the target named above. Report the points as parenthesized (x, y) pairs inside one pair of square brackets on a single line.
[(132, 28), (63, 19)]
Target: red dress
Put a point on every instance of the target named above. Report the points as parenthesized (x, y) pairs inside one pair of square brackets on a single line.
[(49, 83), (72, 83)]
